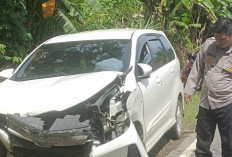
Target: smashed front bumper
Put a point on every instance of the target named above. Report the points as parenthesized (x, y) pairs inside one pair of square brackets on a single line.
[(98, 126), (31, 141), (126, 145), (61, 133)]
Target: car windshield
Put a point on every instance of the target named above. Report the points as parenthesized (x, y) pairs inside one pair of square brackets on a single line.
[(71, 58)]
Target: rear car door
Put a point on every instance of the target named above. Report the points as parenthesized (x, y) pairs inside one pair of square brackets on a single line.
[(170, 77)]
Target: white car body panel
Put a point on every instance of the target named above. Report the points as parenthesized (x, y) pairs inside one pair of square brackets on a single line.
[(118, 147), (6, 73), (49, 94)]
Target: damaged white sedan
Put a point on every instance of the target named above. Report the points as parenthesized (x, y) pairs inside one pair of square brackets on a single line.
[(99, 93)]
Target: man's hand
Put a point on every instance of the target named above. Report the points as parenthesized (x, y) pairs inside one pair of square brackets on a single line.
[(187, 98)]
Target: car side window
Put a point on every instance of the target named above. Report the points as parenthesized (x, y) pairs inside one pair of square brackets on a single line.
[(159, 57), (167, 47), (145, 56)]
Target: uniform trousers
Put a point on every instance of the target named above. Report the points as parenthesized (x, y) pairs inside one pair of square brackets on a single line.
[(207, 120)]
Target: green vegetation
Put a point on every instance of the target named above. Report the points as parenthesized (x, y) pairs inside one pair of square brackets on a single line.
[(190, 114), (15, 38), (186, 22)]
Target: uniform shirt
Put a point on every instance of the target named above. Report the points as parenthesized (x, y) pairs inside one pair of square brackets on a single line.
[(214, 65)]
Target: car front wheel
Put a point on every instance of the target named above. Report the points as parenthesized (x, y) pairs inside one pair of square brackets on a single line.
[(176, 130)]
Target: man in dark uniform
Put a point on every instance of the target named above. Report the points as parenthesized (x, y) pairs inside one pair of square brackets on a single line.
[(214, 65)]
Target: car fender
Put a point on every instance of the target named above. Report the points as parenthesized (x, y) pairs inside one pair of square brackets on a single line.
[(135, 107)]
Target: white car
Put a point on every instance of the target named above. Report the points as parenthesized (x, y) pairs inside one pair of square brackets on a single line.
[(105, 93)]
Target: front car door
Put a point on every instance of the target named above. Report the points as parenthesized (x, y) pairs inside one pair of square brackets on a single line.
[(152, 88)]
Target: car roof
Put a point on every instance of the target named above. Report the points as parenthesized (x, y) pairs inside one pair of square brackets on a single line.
[(101, 35)]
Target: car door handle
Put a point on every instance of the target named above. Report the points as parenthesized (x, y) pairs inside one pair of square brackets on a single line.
[(172, 70)]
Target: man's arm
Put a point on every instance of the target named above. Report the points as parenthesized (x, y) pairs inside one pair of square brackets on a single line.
[(195, 75)]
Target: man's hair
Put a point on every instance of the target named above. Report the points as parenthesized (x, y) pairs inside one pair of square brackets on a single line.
[(223, 25)]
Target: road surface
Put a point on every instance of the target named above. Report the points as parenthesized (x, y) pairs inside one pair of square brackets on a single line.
[(187, 147)]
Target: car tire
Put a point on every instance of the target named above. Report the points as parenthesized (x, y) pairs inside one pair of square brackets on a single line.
[(3, 151), (176, 130)]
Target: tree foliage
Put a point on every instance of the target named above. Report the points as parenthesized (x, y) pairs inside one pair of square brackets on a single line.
[(186, 22), (15, 37)]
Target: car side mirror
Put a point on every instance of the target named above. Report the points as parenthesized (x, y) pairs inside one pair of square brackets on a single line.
[(145, 71), (5, 74)]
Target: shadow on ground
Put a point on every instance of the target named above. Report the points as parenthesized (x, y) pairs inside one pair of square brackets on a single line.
[(156, 150), (165, 145)]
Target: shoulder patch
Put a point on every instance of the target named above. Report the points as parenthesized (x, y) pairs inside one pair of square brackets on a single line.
[(229, 69), (209, 60)]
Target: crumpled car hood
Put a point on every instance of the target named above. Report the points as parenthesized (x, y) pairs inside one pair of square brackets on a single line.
[(33, 97)]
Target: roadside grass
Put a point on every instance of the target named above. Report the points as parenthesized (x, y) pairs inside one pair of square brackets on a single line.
[(190, 113)]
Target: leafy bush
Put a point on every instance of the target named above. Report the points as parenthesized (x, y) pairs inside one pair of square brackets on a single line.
[(15, 38), (2, 51), (186, 22), (103, 14)]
